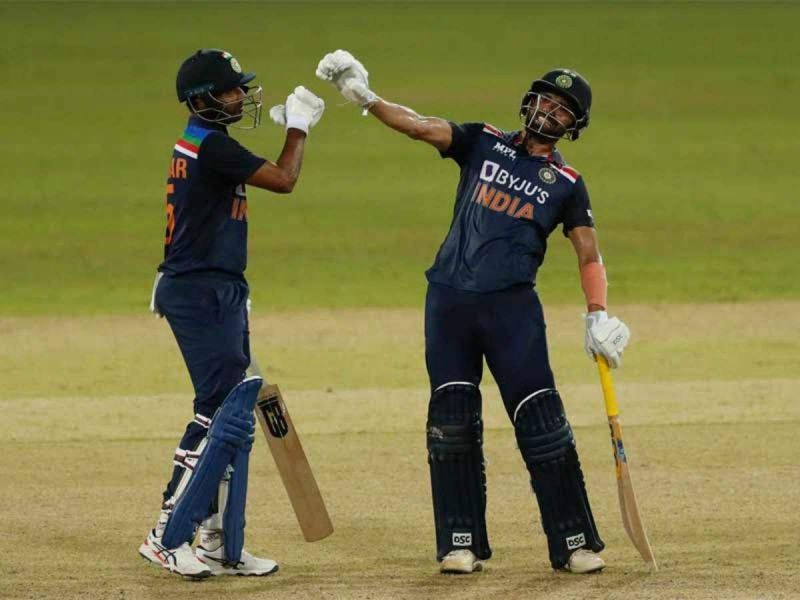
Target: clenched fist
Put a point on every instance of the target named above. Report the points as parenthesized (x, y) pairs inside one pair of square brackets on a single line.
[(606, 336), (302, 110), (349, 76)]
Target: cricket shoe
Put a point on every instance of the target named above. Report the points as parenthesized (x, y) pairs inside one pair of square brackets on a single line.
[(459, 562), (584, 561), (247, 565), (180, 560)]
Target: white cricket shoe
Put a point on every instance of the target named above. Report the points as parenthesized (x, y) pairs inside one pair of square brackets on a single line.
[(460, 561), (584, 561), (179, 560), (247, 565)]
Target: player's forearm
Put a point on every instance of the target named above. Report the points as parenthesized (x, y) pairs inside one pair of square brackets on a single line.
[(280, 177), (432, 130), (290, 160), (594, 284), (590, 266), (398, 117)]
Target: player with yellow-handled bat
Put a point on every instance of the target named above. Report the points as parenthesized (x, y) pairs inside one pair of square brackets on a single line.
[(628, 505), (514, 189)]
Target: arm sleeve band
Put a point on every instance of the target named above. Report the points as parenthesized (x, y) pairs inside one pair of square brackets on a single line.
[(594, 284)]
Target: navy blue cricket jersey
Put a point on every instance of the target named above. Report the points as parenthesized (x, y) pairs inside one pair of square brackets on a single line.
[(507, 204), (207, 202)]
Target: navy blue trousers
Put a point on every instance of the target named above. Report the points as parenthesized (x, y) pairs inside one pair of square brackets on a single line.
[(506, 327), (208, 316)]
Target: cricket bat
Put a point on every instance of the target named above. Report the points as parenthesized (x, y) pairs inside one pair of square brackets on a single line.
[(296, 473), (631, 519)]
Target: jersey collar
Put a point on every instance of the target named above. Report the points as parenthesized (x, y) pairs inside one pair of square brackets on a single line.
[(195, 121), (516, 140)]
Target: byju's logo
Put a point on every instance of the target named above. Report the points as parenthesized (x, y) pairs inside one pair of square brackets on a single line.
[(492, 173)]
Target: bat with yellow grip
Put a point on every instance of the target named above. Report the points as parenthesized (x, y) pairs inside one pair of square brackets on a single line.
[(629, 508)]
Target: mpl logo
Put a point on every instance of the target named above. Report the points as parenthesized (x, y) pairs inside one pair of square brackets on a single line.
[(462, 539), (505, 150), (576, 541)]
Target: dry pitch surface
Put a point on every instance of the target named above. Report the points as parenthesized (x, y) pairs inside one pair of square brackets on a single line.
[(92, 409)]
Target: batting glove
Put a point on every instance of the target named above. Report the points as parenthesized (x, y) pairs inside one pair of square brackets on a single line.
[(349, 76), (606, 336), (302, 110)]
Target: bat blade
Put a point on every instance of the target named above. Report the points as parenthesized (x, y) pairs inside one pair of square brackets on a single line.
[(629, 507), (293, 466)]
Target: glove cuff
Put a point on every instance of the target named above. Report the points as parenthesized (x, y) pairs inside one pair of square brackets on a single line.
[(595, 317), (370, 99), (297, 122)]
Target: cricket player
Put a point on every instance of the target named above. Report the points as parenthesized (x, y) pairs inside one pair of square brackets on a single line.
[(515, 189), (201, 290)]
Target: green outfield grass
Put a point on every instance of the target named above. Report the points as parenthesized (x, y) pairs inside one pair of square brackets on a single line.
[(691, 164), (689, 158)]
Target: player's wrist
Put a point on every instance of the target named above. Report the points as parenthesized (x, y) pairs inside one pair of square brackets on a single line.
[(369, 99), (298, 122)]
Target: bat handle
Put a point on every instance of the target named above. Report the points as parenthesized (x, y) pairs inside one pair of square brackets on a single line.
[(253, 368), (609, 395)]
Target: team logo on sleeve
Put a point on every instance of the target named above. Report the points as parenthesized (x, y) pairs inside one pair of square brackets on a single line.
[(547, 175)]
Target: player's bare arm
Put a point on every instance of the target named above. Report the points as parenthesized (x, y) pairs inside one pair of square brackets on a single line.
[(301, 111), (433, 130), (606, 336), (352, 80), (584, 241), (282, 176)]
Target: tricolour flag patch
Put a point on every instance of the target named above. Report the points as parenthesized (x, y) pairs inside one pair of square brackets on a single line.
[(189, 142), (492, 129), (568, 172)]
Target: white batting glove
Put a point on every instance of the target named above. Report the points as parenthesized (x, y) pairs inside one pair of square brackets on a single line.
[(349, 76), (606, 336), (278, 114), (302, 110)]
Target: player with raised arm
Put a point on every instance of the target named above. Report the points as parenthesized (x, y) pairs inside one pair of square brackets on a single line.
[(201, 290), (514, 191)]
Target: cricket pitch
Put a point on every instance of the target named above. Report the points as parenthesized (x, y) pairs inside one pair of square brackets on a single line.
[(87, 445)]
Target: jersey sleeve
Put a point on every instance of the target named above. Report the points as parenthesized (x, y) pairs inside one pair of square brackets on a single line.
[(228, 158), (578, 209), (465, 136)]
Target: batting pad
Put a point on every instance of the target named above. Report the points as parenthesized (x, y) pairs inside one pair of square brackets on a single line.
[(458, 477), (231, 429), (545, 440)]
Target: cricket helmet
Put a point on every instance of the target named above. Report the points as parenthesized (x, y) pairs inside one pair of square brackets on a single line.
[(209, 72), (566, 83)]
